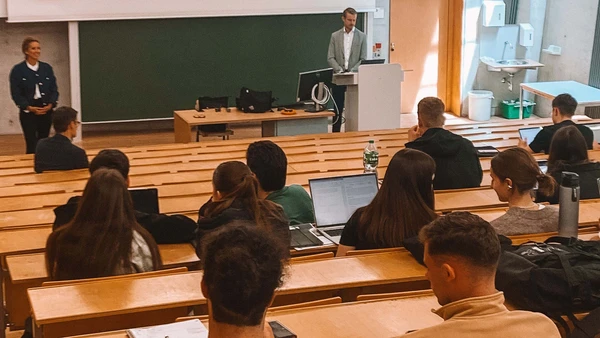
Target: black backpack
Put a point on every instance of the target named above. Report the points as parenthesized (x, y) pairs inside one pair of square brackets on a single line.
[(558, 277), (251, 101)]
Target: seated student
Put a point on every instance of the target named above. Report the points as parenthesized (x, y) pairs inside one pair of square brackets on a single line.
[(57, 152), (455, 157), (461, 254), (243, 265), (165, 229), (104, 238), (563, 109), (235, 198), (515, 174), (383, 224), (568, 152), (269, 164)]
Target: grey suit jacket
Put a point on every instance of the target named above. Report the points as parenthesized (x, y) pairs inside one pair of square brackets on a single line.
[(335, 55)]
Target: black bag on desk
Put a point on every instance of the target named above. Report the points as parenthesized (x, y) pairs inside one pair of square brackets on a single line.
[(208, 102), (251, 101)]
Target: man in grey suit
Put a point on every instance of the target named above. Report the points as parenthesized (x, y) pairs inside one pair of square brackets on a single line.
[(347, 49)]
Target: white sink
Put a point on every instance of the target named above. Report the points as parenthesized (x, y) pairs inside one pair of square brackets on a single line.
[(512, 66)]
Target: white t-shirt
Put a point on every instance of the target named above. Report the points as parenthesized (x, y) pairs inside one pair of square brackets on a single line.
[(348, 38)]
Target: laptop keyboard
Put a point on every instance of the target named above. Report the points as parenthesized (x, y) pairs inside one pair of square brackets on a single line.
[(334, 233)]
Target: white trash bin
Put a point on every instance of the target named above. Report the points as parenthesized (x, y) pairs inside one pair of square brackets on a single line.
[(480, 105)]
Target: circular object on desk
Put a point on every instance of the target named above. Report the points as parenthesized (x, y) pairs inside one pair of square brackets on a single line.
[(289, 112)]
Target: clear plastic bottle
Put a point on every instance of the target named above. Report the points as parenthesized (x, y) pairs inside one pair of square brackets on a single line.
[(371, 157)]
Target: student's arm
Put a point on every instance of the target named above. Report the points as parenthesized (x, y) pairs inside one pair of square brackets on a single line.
[(331, 56), (81, 159), (343, 249), (523, 145), (349, 235), (540, 143)]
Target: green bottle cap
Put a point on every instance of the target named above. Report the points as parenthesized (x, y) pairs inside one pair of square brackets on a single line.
[(371, 141)]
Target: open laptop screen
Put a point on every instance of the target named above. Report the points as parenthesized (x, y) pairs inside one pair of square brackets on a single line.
[(595, 127), (336, 198), (529, 133), (145, 200)]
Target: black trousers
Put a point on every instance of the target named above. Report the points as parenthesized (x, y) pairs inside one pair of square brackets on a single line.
[(339, 96), (35, 128)]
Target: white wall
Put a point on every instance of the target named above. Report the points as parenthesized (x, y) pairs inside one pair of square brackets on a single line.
[(3, 11), (570, 24), (55, 50), (80, 10), (381, 29), (479, 41)]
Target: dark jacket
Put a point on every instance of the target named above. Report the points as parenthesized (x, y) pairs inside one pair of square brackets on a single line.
[(58, 153), (236, 212), (456, 160), (542, 141), (22, 85), (589, 173), (164, 228)]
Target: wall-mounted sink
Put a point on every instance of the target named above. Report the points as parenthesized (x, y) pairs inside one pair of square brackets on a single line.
[(510, 66)]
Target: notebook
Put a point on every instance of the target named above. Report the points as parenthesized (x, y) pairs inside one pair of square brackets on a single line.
[(187, 329), (336, 198)]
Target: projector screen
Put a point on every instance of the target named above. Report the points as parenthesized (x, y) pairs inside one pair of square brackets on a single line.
[(87, 10)]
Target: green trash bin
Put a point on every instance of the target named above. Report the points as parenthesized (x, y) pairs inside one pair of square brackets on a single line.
[(510, 109)]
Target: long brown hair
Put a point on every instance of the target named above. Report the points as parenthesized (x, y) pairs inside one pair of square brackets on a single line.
[(524, 172), (235, 182), (97, 242), (568, 147), (405, 202)]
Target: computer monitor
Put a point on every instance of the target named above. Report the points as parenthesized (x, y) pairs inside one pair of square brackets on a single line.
[(308, 80), (373, 62)]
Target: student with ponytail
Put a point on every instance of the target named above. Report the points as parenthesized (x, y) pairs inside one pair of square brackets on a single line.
[(568, 152), (515, 174), (235, 197)]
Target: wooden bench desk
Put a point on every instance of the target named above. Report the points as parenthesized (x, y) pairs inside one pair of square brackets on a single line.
[(29, 271), (273, 123), (383, 318), (83, 308)]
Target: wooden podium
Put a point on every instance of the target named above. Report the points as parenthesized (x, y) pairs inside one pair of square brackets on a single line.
[(373, 97)]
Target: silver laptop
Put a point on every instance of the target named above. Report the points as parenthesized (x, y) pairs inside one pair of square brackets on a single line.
[(336, 198), (595, 127), (529, 133)]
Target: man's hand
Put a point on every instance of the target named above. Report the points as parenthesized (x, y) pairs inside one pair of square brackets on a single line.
[(523, 143), (413, 133)]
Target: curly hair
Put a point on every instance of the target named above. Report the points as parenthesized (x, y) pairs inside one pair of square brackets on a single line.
[(243, 265)]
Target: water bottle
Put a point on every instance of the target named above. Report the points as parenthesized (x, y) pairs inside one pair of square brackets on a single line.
[(371, 157), (568, 198)]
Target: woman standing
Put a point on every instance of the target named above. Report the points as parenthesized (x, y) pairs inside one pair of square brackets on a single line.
[(34, 91)]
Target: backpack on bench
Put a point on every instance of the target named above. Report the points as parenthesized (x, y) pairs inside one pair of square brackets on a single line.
[(558, 277)]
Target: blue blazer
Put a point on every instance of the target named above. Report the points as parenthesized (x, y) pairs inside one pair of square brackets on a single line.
[(22, 85)]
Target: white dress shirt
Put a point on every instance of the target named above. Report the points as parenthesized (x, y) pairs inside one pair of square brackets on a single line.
[(348, 38)]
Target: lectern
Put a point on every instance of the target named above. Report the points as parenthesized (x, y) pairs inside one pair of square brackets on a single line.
[(372, 97)]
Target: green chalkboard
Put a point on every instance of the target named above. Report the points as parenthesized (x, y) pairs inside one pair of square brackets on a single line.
[(140, 69)]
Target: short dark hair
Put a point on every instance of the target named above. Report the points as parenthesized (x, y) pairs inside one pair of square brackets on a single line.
[(62, 117), (269, 163), (112, 159), (243, 265), (26, 42), (464, 235), (566, 104), (431, 112), (350, 11)]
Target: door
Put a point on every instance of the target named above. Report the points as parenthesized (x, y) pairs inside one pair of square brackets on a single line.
[(423, 40)]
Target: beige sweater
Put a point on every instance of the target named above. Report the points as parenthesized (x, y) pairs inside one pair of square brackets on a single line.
[(487, 317)]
